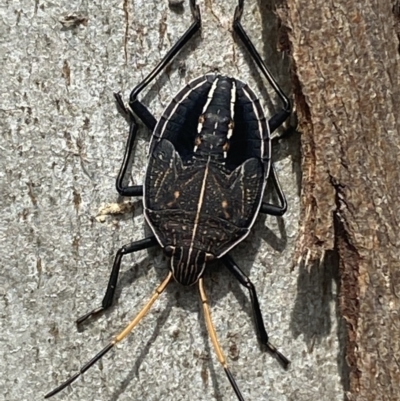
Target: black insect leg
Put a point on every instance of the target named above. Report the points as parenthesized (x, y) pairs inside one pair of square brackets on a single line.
[(135, 190), (117, 338), (112, 282), (150, 122), (279, 118), (196, 25), (245, 281), (138, 108), (269, 208)]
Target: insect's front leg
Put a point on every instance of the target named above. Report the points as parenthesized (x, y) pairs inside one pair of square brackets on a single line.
[(279, 118), (136, 107), (176, 48), (276, 120)]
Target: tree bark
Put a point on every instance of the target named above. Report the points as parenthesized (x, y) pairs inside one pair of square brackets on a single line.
[(347, 99)]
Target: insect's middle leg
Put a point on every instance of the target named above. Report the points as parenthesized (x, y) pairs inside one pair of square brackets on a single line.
[(245, 281), (269, 208), (112, 282), (122, 189)]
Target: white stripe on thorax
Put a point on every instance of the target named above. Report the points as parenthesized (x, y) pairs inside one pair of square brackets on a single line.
[(233, 101), (209, 99)]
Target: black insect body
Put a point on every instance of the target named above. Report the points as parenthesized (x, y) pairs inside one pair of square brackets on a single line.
[(209, 160), (206, 173)]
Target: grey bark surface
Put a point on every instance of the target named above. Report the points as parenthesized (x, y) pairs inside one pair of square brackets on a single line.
[(61, 144), (346, 62)]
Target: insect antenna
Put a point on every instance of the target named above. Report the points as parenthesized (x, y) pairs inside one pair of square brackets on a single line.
[(117, 338), (213, 335)]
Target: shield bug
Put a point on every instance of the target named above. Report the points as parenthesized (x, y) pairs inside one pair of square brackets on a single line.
[(209, 160)]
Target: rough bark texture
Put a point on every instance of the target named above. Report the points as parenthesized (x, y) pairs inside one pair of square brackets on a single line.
[(347, 96)]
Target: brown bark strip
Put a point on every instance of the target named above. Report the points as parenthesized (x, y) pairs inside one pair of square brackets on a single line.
[(347, 98)]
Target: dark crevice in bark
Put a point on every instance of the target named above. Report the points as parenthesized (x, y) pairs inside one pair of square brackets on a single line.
[(332, 265), (348, 260)]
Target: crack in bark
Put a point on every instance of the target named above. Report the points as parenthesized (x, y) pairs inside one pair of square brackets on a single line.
[(349, 289)]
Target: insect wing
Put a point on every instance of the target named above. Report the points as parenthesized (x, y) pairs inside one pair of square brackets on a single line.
[(223, 205), (240, 194)]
